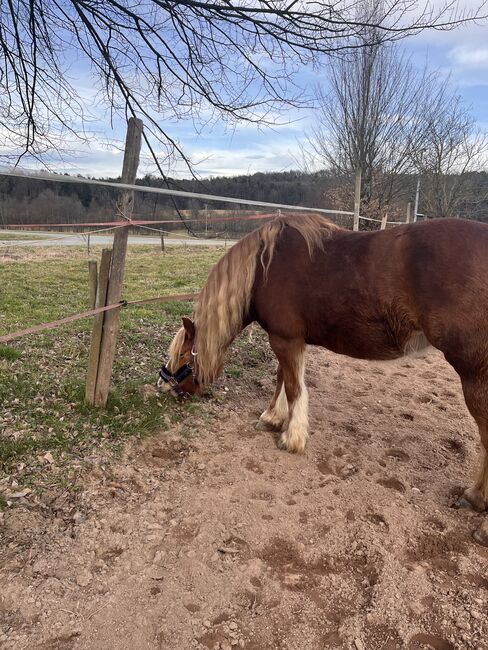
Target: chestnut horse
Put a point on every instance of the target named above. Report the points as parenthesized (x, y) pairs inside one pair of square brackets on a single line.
[(370, 295)]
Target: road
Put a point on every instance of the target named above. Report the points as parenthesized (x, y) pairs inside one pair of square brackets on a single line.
[(59, 239)]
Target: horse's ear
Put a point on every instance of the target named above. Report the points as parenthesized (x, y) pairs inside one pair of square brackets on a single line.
[(189, 327)]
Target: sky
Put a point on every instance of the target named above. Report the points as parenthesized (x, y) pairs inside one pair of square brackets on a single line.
[(244, 149)]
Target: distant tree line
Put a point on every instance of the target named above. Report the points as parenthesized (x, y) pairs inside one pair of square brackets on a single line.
[(31, 201)]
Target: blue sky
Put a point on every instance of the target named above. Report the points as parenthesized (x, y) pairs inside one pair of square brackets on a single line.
[(462, 54)]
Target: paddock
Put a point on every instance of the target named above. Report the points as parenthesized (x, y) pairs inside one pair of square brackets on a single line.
[(194, 531)]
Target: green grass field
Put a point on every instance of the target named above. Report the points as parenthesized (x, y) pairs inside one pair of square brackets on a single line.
[(16, 236), (42, 376)]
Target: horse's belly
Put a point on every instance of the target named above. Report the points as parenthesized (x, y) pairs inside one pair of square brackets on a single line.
[(374, 343)]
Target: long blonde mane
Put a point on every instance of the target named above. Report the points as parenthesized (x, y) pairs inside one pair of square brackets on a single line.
[(223, 303)]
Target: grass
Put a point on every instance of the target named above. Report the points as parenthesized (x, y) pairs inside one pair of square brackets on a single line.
[(9, 353), (43, 416), (15, 236), (42, 405)]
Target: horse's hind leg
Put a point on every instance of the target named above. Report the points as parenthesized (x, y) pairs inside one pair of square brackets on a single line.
[(277, 412), (291, 356), (476, 396)]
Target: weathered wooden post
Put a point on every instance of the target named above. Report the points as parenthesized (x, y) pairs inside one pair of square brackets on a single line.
[(93, 280), (96, 335), (384, 219), (357, 199), (114, 290), (162, 242), (416, 204), (409, 208)]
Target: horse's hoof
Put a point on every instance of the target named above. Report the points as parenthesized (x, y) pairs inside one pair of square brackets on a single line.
[(262, 425), (472, 499), (480, 535), (281, 444), (462, 504)]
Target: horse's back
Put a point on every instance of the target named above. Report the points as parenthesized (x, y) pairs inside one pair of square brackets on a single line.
[(366, 294)]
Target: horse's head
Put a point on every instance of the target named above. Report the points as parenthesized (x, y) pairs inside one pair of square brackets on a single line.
[(178, 376)]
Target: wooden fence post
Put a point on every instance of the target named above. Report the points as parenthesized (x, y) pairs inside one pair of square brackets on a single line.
[(114, 291), (92, 277), (416, 204), (384, 219), (409, 208), (357, 199), (162, 242), (96, 335)]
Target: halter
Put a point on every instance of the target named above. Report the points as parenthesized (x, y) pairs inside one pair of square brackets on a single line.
[(174, 379)]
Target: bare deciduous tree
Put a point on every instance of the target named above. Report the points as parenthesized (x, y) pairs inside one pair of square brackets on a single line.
[(168, 59), (371, 118), (451, 145)]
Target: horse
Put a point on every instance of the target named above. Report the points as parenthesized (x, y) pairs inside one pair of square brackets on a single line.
[(374, 295)]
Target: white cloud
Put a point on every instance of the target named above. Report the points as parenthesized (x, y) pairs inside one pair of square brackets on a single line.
[(469, 57), (266, 156)]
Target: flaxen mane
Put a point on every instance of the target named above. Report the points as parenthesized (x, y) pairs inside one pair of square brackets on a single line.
[(224, 300)]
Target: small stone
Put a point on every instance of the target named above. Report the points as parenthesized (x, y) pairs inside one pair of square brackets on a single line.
[(359, 644), (19, 495), (480, 535), (49, 458), (157, 573), (158, 557), (225, 645), (207, 623), (464, 566), (233, 625), (416, 608), (462, 625), (416, 490), (79, 517), (201, 466), (476, 615), (84, 578)]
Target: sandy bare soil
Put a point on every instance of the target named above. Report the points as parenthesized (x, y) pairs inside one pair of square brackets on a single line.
[(220, 540)]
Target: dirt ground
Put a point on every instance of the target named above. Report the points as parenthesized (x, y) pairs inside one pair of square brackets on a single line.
[(220, 540)]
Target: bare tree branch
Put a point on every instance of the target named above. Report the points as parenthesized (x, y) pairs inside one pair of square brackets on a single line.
[(169, 59), (387, 118)]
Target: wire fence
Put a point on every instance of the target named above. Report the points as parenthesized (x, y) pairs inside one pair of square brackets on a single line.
[(112, 264), (232, 225)]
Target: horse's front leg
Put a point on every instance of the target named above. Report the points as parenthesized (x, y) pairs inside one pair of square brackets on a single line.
[(275, 415), (291, 355)]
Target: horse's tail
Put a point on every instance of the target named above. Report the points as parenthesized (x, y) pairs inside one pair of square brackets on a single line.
[(224, 301)]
